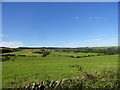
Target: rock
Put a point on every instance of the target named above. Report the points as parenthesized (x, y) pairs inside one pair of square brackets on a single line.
[(42, 87), (34, 84)]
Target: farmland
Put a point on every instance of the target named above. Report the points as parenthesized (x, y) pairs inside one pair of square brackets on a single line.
[(33, 67)]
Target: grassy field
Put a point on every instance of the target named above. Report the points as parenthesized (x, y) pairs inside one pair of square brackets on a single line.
[(24, 70), (53, 53)]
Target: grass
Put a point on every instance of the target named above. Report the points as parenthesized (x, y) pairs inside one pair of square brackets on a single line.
[(23, 52), (71, 53), (0, 75), (25, 70)]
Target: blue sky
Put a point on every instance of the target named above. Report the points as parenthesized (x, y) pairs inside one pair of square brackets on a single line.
[(62, 24)]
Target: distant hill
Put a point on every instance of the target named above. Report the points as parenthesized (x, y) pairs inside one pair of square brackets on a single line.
[(59, 47)]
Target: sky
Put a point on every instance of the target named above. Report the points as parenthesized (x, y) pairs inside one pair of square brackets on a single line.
[(59, 24)]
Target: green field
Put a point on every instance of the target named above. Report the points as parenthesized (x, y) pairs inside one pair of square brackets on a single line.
[(25, 70)]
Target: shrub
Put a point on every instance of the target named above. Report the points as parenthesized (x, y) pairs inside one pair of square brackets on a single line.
[(78, 57), (23, 55), (12, 59), (5, 58), (89, 55), (45, 53), (9, 55), (71, 56)]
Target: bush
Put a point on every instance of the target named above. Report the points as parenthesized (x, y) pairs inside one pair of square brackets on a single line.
[(45, 53), (78, 57), (71, 56), (9, 55), (5, 58), (89, 55), (23, 55)]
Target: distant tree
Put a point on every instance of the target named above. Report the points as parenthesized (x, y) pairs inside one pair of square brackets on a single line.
[(45, 53)]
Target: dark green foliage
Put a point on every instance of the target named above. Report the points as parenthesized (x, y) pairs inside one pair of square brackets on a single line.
[(103, 50), (15, 50), (6, 50), (12, 59), (81, 56), (111, 51), (44, 52), (78, 57), (23, 55), (5, 58), (78, 67), (9, 55)]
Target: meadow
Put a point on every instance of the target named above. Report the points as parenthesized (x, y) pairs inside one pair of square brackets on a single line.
[(20, 71)]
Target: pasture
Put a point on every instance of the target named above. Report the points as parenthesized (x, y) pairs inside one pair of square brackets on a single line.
[(55, 66)]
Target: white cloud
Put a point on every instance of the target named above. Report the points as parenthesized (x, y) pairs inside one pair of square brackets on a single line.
[(101, 42), (93, 40), (96, 18), (77, 17), (12, 44), (90, 18), (2, 35), (98, 42)]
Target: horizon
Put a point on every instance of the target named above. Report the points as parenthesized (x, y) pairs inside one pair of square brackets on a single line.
[(55, 47), (63, 24)]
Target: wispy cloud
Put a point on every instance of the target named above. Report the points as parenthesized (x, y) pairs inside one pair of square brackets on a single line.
[(90, 18), (97, 36), (2, 35), (98, 42), (96, 18), (76, 17), (93, 40), (11, 44), (101, 42)]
